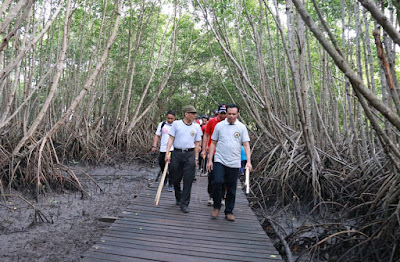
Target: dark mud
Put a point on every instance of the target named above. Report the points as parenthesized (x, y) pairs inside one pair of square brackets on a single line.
[(75, 220)]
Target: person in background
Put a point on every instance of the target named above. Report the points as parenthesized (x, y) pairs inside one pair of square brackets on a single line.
[(185, 137), (203, 159), (162, 132), (227, 139), (243, 160), (206, 144)]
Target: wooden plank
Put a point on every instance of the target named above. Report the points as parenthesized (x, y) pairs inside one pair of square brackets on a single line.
[(187, 250), (93, 256), (194, 230), (184, 242), (212, 243), (194, 212), (163, 233), (132, 253), (154, 233), (156, 220)]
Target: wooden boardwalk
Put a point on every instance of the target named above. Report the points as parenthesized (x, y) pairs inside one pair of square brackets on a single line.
[(163, 233)]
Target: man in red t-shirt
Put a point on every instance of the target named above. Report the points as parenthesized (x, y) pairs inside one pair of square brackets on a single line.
[(207, 141)]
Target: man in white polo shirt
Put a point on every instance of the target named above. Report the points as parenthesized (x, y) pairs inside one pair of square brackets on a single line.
[(162, 132), (185, 136), (228, 137)]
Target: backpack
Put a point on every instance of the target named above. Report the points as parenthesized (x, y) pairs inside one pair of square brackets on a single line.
[(162, 125)]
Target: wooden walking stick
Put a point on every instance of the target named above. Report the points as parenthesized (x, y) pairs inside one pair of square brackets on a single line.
[(247, 181), (161, 185)]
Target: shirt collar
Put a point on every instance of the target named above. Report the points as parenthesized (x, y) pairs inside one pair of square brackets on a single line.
[(227, 123)]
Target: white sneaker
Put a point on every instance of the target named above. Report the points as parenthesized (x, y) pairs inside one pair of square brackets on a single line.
[(210, 202), (223, 202)]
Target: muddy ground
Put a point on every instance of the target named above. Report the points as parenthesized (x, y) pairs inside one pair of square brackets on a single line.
[(75, 220)]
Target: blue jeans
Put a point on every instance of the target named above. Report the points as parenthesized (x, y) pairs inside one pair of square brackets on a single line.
[(227, 176)]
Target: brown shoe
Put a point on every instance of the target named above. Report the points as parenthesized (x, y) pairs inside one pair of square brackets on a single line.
[(215, 213), (230, 217)]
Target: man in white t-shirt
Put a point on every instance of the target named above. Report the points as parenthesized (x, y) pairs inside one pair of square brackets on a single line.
[(162, 132), (185, 136), (227, 140)]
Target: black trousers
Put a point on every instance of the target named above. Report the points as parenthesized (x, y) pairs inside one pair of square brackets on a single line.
[(182, 167), (210, 185), (161, 162)]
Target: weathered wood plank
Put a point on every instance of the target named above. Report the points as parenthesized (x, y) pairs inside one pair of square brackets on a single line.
[(186, 250), (195, 244), (163, 233)]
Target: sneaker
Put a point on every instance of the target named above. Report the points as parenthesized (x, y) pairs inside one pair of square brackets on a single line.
[(203, 174), (210, 202), (215, 213), (177, 202), (223, 202), (170, 188), (230, 217), (185, 209)]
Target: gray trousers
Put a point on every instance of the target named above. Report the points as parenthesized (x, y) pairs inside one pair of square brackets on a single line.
[(182, 166)]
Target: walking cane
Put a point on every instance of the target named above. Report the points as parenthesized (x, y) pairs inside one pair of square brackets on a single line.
[(247, 181), (161, 185)]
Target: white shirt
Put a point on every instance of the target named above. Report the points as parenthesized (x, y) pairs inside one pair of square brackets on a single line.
[(230, 138), (164, 136), (185, 135)]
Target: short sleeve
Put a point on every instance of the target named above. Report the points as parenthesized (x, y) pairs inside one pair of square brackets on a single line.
[(215, 135), (158, 131), (172, 130), (208, 127), (245, 137), (198, 133)]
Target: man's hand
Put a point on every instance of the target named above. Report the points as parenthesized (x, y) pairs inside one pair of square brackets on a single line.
[(167, 158), (249, 166), (209, 166), (153, 149), (203, 154)]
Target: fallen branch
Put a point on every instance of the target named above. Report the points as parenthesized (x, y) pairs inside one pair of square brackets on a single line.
[(39, 216)]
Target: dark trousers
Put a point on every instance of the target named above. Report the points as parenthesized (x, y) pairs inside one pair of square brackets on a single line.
[(182, 166), (161, 162), (243, 165), (210, 184), (227, 176), (203, 163)]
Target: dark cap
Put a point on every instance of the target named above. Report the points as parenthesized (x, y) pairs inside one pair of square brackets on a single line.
[(204, 116), (189, 109), (222, 108)]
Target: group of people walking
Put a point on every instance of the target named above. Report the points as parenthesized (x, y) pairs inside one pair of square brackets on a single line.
[(220, 142)]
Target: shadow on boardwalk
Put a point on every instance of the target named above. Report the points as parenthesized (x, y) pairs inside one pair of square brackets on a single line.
[(163, 233)]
